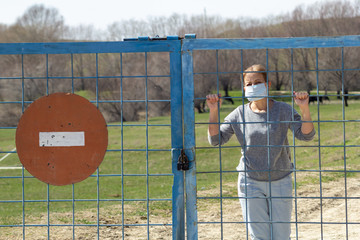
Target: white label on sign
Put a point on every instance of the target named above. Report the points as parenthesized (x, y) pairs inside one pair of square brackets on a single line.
[(61, 139)]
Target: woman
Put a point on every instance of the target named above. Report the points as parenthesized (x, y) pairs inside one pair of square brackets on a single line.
[(261, 127)]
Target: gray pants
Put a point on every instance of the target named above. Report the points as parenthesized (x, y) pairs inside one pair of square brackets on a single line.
[(266, 207)]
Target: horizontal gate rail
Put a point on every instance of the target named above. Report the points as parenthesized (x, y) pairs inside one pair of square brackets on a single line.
[(88, 47), (271, 43)]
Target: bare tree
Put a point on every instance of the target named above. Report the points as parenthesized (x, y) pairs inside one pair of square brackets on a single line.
[(39, 24), (126, 79)]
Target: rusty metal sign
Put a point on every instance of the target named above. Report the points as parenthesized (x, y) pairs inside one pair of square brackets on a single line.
[(61, 138)]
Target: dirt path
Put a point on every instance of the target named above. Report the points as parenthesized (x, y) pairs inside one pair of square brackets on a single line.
[(308, 215)]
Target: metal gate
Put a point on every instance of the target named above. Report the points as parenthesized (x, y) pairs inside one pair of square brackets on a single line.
[(130, 196), (123, 198), (331, 160)]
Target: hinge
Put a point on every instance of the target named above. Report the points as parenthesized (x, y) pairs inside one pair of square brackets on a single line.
[(183, 161)]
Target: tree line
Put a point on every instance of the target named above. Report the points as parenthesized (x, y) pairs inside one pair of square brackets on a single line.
[(43, 24)]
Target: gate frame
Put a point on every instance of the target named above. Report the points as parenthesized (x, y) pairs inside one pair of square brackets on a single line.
[(170, 44), (182, 106), (191, 44)]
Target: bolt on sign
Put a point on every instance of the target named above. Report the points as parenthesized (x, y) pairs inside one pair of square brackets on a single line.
[(61, 139)]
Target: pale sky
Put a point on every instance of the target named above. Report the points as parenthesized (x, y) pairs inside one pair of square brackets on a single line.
[(101, 13)]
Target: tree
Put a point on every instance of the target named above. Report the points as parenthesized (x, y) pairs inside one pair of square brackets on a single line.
[(222, 72), (39, 24)]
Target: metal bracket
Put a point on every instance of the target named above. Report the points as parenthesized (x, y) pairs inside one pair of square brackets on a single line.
[(157, 38), (183, 161)]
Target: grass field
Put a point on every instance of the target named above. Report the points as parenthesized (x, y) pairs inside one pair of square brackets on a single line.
[(314, 155)]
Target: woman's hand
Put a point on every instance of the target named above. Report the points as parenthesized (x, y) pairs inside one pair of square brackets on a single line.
[(212, 101), (301, 98)]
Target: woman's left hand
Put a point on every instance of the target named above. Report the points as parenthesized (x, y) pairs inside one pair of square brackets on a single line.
[(301, 98)]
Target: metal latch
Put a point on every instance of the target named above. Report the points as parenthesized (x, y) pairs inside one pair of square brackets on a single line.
[(183, 161)]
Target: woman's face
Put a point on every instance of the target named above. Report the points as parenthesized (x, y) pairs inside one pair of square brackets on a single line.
[(253, 79)]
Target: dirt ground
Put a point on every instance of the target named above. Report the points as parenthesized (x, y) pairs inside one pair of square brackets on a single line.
[(308, 219)]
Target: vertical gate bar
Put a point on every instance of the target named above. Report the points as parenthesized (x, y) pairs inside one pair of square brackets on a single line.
[(178, 213), (98, 202), (47, 74), (73, 210), (147, 147), (122, 148), (97, 80), (244, 147), (344, 141), (22, 84), (22, 170), (293, 139), (319, 139), (48, 210), (270, 198), (72, 73), (23, 200), (320, 165), (220, 162), (48, 186), (97, 170), (189, 144)]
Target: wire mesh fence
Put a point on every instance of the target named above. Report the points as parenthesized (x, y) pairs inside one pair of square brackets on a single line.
[(130, 195), (152, 94), (324, 170)]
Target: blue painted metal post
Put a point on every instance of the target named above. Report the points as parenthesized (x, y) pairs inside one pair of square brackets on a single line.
[(178, 220), (189, 144)]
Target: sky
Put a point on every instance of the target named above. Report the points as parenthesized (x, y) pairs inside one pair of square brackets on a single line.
[(102, 13)]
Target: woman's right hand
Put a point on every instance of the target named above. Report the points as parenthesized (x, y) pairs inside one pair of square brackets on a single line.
[(212, 101)]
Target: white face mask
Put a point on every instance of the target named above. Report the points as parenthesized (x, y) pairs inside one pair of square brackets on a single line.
[(255, 92)]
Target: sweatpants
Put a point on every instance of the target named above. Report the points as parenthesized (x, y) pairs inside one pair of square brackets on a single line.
[(266, 207)]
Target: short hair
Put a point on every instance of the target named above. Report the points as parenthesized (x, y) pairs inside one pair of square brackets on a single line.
[(256, 68)]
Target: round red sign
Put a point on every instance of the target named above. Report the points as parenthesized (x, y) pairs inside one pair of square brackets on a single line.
[(61, 138)]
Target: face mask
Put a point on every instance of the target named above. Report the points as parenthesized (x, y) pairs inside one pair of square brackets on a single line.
[(255, 92)]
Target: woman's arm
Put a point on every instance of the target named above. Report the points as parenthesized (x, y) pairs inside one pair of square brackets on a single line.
[(302, 100), (214, 102)]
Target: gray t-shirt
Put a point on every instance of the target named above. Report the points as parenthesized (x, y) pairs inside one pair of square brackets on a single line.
[(251, 130)]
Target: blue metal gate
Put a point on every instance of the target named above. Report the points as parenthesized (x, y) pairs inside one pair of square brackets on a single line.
[(219, 213), (29, 205), (138, 189)]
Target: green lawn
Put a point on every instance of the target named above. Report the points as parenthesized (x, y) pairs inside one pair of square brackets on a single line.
[(308, 156), (159, 162)]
